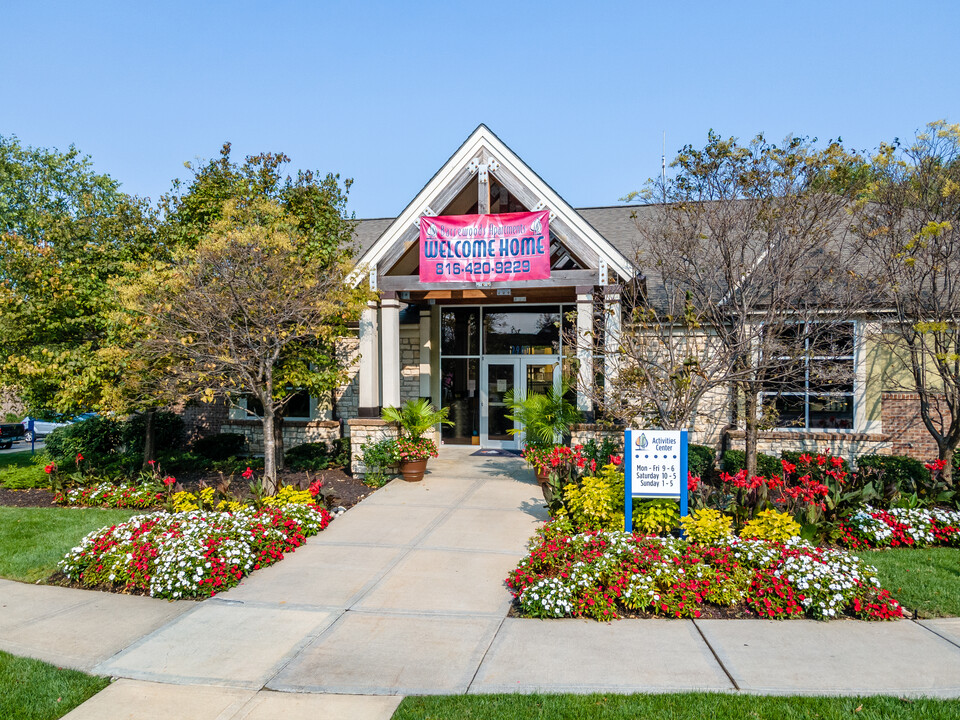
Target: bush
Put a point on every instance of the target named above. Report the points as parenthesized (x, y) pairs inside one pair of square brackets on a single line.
[(893, 474), (700, 461), (772, 526), (706, 527), (736, 460), (167, 431), (25, 472), (596, 503), (220, 447), (96, 438), (656, 516), (317, 456)]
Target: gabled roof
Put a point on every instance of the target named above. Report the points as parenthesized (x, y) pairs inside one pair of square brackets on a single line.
[(381, 239)]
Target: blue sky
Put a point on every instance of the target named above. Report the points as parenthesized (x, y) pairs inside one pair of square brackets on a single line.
[(385, 92)]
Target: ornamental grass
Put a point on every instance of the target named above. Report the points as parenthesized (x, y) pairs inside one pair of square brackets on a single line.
[(190, 554), (606, 574)]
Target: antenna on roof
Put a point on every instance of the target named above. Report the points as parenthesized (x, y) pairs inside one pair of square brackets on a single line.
[(663, 159)]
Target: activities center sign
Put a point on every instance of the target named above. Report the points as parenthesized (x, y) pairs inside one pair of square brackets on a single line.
[(485, 248)]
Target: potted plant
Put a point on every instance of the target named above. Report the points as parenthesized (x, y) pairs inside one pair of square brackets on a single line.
[(545, 418), (412, 449)]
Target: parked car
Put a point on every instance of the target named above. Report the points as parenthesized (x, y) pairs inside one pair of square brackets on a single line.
[(49, 423), (9, 433)]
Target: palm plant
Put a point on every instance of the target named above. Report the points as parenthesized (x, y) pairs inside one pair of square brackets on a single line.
[(415, 417), (545, 417)]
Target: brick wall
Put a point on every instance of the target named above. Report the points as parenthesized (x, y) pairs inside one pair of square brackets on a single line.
[(901, 420)]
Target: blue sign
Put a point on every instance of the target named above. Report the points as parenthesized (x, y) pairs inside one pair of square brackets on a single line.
[(655, 466)]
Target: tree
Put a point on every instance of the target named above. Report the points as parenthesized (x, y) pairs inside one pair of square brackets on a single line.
[(66, 233), (909, 222), (741, 254), (316, 202), (249, 311)]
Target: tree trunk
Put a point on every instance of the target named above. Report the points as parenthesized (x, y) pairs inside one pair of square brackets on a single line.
[(946, 454), (278, 422), (269, 450), (149, 439), (750, 431)]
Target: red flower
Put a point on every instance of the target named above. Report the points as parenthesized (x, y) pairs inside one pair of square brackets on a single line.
[(805, 458), (151, 462), (692, 482), (593, 466), (315, 487), (169, 480), (247, 474), (836, 462), (48, 469), (616, 459), (79, 457), (788, 467)]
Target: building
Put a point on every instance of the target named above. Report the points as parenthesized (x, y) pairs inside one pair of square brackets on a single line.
[(466, 344)]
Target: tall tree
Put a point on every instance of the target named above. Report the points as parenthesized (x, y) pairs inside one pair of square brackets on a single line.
[(66, 233), (250, 311), (315, 202), (742, 250), (909, 223)]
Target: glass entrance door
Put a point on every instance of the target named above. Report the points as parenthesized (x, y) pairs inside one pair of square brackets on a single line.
[(497, 379)]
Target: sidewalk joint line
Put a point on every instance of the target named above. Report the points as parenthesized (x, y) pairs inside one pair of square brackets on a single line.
[(493, 639), (916, 621), (716, 657)]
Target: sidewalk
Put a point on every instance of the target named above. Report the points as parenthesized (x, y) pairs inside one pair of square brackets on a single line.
[(404, 595)]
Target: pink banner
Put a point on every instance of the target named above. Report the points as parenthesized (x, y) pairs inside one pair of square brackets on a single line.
[(485, 248)]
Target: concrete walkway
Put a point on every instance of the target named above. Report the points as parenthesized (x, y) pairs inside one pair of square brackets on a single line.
[(404, 595)]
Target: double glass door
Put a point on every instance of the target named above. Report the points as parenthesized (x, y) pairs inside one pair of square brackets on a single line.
[(501, 376)]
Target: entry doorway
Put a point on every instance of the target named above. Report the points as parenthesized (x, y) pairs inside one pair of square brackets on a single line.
[(499, 376)]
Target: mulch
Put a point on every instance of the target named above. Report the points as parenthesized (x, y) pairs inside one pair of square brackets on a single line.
[(341, 489)]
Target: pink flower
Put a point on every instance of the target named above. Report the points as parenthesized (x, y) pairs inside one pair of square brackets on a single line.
[(247, 474)]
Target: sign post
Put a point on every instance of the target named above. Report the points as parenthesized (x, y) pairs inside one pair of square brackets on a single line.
[(655, 467)]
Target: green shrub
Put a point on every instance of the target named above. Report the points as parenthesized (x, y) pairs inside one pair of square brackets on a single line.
[(167, 432), (700, 461), (317, 456), (601, 451), (596, 503), (656, 516), (771, 525), (96, 438), (736, 460), (706, 527), (220, 447), (379, 458), (12, 418), (25, 472), (893, 473)]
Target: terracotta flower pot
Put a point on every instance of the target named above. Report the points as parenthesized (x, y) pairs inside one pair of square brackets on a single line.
[(413, 470), (543, 477)]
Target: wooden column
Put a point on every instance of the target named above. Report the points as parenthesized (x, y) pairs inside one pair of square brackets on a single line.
[(585, 379), (390, 349), (369, 395)]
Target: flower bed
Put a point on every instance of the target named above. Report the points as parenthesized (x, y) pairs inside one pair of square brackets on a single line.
[(191, 554), (605, 574), (899, 527), (112, 495)]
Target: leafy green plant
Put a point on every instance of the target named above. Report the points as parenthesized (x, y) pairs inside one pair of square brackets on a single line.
[(220, 447), (736, 460), (894, 475), (416, 417), (771, 525), (700, 459), (378, 458), (706, 526), (20, 471), (545, 417), (316, 456), (596, 502), (96, 438), (656, 517), (168, 432)]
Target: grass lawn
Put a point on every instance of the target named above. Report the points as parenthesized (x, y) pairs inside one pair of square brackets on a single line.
[(34, 540), (926, 580), (679, 706), (34, 690), (19, 470)]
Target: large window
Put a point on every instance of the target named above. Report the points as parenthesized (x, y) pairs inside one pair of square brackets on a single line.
[(814, 386)]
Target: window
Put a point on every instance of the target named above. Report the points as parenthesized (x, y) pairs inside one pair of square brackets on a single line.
[(813, 389), (297, 407)]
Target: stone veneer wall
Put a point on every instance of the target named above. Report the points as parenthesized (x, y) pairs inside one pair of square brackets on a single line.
[(295, 432), (409, 362), (842, 444), (348, 395), (900, 413)]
